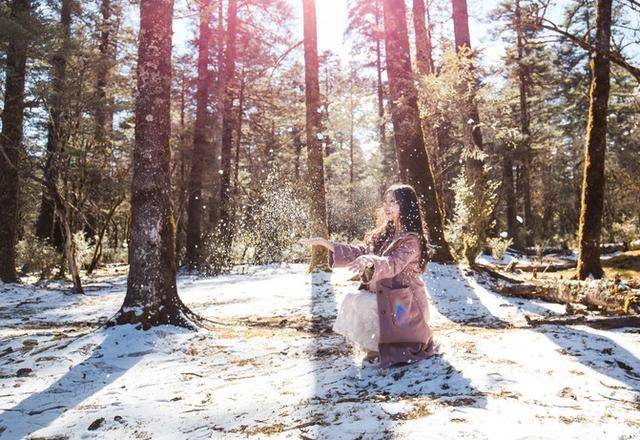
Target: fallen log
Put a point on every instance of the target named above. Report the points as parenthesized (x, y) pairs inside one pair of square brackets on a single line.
[(598, 322), (608, 296)]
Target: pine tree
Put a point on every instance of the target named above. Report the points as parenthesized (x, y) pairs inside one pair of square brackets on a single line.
[(11, 139)]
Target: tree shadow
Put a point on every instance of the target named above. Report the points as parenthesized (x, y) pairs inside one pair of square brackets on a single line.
[(456, 299), (109, 360), (593, 350), (351, 398)]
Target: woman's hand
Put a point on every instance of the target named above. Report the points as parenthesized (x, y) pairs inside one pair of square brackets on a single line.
[(361, 263), (316, 241)]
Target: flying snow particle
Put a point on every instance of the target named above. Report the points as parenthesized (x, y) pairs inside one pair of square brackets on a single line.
[(504, 234), (220, 172), (470, 121), (519, 219), (149, 118)]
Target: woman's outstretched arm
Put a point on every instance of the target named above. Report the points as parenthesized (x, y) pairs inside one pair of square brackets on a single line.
[(340, 254)]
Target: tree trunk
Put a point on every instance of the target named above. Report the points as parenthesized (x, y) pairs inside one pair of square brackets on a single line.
[(315, 160), (593, 181), (424, 58), (152, 297), (415, 168), (236, 163), (473, 164), (509, 193), (46, 225), (225, 227), (388, 152), (424, 61), (103, 112), (524, 81), (194, 207), (11, 141)]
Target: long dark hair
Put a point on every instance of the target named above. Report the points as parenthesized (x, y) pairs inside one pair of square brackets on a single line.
[(411, 219)]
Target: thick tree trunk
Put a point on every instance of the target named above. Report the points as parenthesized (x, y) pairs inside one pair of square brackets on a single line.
[(225, 226), (593, 181), (524, 81), (152, 296), (315, 161), (46, 225), (194, 207), (11, 141), (415, 168)]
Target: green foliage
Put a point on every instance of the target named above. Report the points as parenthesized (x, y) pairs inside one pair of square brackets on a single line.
[(473, 217), (35, 255), (499, 246)]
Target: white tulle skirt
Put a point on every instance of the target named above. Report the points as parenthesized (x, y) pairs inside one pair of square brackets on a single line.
[(358, 320)]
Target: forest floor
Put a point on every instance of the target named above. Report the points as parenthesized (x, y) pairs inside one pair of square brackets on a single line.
[(271, 366)]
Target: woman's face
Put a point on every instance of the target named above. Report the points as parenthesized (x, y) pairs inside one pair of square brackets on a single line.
[(391, 207)]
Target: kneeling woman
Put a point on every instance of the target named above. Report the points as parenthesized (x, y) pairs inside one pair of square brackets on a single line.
[(389, 315)]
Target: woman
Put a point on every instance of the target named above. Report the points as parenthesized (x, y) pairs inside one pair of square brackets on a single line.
[(389, 318)]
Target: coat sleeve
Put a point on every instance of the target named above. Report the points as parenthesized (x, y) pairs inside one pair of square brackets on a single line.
[(344, 254), (392, 264)]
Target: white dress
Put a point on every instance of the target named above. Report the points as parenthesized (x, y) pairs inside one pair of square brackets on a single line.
[(358, 320)]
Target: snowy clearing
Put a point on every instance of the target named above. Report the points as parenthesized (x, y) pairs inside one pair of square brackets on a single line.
[(271, 367)]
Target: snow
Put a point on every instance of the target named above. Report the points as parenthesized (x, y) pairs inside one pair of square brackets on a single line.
[(271, 367)]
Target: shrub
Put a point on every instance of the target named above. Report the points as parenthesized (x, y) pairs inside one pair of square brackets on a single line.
[(499, 247), (33, 254), (626, 231)]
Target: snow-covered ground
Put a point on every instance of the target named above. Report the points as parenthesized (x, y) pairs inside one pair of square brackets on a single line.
[(271, 367)]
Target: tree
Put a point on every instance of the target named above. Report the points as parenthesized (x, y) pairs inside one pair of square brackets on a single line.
[(47, 227), (199, 151), (11, 139), (415, 168), (225, 227), (152, 297), (473, 163), (315, 161), (593, 181)]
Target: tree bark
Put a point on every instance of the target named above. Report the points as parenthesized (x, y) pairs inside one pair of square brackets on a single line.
[(413, 160), (225, 227), (152, 297), (47, 227), (593, 180), (315, 161), (194, 208), (11, 142)]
